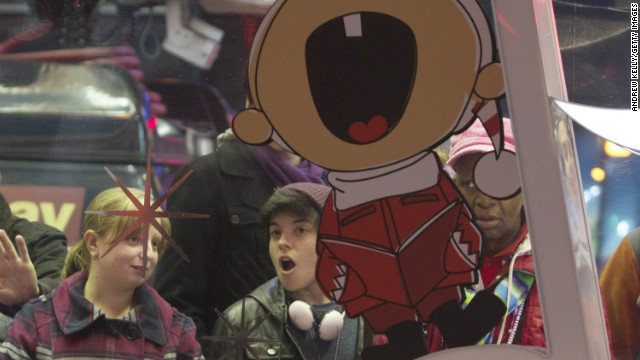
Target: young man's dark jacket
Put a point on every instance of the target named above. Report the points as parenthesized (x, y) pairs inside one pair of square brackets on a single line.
[(267, 298), (47, 249)]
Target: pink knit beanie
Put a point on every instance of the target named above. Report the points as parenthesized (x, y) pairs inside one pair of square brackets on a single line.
[(316, 192), (475, 140), (495, 177)]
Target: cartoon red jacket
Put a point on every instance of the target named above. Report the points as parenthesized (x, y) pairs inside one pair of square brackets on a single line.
[(428, 231)]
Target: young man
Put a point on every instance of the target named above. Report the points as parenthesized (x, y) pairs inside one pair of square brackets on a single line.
[(229, 249), (265, 323), (507, 245)]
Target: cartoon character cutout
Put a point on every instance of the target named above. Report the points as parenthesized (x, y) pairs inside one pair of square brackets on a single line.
[(367, 89)]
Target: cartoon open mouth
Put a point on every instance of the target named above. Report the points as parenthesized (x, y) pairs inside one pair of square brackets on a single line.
[(361, 69)]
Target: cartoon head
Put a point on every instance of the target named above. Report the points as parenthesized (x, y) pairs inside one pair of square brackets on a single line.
[(352, 85)]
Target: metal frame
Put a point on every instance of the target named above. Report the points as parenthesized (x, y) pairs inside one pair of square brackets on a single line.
[(565, 267)]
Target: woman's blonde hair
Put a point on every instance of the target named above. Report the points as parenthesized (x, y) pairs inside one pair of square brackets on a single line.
[(113, 199)]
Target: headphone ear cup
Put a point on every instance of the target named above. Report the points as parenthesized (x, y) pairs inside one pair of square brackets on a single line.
[(301, 315), (330, 325)]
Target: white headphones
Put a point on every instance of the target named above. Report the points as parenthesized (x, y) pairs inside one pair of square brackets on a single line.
[(303, 318)]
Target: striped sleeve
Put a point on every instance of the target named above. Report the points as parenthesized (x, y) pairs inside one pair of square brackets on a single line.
[(188, 347), (22, 339)]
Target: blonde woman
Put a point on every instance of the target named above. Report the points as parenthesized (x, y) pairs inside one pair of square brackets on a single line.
[(104, 308)]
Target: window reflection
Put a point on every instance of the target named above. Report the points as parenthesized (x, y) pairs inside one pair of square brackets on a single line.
[(199, 101)]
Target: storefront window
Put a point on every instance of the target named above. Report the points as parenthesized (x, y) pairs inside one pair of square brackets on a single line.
[(86, 84)]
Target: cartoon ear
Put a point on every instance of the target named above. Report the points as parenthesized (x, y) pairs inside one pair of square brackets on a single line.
[(497, 178), (490, 84), (252, 127)]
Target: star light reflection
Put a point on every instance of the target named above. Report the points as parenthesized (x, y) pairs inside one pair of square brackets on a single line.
[(240, 335), (146, 214)]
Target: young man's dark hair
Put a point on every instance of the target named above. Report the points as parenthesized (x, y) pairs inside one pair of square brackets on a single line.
[(299, 199)]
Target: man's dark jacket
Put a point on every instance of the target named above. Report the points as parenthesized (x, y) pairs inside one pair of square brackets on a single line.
[(265, 312), (228, 252)]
